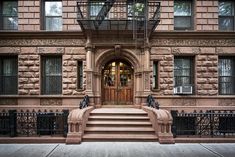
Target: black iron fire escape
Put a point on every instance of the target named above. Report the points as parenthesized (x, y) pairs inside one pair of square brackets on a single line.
[(139, 17)]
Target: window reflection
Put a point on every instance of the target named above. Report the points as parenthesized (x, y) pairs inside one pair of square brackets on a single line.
[(226, 15), (10, 15), (53, 15)]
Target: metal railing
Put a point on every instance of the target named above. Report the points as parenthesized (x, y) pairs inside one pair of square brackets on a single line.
[(212, 123), (119, 9), (26, 123)]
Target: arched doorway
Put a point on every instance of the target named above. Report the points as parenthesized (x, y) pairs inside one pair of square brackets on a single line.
[(117, 83)]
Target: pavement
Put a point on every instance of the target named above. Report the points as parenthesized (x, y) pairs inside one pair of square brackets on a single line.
[(119, 149)]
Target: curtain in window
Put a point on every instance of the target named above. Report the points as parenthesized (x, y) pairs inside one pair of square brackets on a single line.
[(52, 75), (182, 72), (8, 75)]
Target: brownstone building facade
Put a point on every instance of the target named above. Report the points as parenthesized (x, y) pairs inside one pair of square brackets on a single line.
[(49, 60)]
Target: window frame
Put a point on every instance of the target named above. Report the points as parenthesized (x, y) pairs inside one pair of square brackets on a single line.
[(232, 58), (191, 75), (156, 76), (43, 75), (15, 76), (2, 16), (224, 16), (182, 16), (44, 17), (80, 75)]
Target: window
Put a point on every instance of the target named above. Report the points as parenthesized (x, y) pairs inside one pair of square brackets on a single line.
[(226, 75), (135, 8), (79, 75), (155, 75), (183, 72), (182, 14), (9, 15), (95, 7), (51, 75), (8, 75), (53, 15), (226, 15)]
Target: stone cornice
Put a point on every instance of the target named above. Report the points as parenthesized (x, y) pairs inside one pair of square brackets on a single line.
[(193, 35), (41, 35)]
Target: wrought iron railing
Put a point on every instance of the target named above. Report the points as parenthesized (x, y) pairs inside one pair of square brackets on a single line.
[(26, 123), (212, 123)]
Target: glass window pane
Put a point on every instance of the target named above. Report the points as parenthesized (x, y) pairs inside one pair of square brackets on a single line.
[(54, 23), (10, 8), (95, 8), (182, 22), (182, 8), (225, 8), (10, 23), (226, 23), (53, 8), (52, 75)]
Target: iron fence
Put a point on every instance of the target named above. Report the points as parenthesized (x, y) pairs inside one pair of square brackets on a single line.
[(26, 123), (212, 123)]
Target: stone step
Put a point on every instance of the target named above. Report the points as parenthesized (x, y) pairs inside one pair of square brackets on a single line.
[(121, 129), (118, 137), (109, 117), (119, 123)]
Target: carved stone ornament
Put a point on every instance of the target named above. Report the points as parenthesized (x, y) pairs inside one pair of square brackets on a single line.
[(184, 102), (10, 101), (193, 42), (42, 42), (50, 102)]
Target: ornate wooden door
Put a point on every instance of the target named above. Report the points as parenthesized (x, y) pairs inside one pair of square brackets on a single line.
[(117, 83)]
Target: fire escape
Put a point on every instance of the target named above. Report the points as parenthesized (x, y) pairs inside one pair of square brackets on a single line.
[(136, 17)]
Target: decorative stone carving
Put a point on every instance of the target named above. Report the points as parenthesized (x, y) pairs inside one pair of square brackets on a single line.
[(50, 102), (184, 102), (192, 42), (10, 50), (42, 42), (54, 50), (226, 102), (8, 101)]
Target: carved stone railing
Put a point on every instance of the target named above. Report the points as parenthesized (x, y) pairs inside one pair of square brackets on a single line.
[(76, 123), (161, 120)]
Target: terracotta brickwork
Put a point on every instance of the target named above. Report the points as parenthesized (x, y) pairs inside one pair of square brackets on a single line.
[(70, 15), (167, 15), (207, 15), (29, 15)]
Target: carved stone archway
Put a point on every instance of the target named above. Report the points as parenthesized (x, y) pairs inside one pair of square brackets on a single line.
[(104, 57)]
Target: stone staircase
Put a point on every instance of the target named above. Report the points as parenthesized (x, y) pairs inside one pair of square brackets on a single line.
[(119, 124)]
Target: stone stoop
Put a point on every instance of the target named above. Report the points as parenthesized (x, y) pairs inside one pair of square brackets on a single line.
[(116, 124)]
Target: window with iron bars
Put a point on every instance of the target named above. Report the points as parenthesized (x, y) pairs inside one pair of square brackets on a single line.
[(227, 75), (8, 75)]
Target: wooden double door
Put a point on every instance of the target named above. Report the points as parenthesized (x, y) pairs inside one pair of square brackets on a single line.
[(117, 83)]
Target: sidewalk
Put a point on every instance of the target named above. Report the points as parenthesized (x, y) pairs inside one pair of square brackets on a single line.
[(118, 149)]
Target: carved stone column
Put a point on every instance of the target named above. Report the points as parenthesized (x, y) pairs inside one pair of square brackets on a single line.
[(146, 71), (89, 71)]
